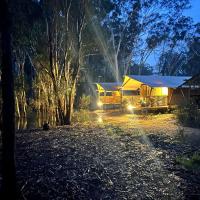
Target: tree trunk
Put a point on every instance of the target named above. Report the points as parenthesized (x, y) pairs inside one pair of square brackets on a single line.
[(54, 71), (17, 106), (70, 105), (9, 189)]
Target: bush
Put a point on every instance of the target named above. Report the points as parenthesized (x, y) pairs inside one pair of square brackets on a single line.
[(84, 102), (189, 115), (81, 116), (192, 162)]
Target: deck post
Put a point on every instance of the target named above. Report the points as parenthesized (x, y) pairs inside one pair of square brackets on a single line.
[(121, 94), (169, 102)]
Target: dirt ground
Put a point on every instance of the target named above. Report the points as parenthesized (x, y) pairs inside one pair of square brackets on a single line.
[(115, 156), (151, 123)]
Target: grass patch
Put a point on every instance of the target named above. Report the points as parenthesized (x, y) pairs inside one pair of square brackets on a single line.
[(192, 162), (114, 130), (83, 116), (119, 131)]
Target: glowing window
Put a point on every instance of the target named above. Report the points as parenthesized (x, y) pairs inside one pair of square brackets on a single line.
[(164, 91), (108, 93), (131, 92), (101, 94)]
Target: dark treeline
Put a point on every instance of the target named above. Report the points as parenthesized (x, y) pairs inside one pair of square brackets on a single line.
[(59, 45)]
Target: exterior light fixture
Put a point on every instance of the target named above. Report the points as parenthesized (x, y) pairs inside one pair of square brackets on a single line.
[(99, 104), (100, 120), (130, 107)]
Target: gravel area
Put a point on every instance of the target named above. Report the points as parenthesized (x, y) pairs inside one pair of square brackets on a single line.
[(103, 161)]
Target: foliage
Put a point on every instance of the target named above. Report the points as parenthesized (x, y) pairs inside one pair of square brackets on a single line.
[(188, 115), (134, 30), (171, 62), (192, 162), (114, 130), (84, 102), (82, 116), (191, 67), (48, 56), (182, 57), (141, 69)]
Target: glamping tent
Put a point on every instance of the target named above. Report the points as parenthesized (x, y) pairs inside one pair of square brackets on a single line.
[(109, 93), (153, 90)]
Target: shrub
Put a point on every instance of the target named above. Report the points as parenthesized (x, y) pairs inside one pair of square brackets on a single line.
[(192, 162), (84, 102), (188, 115), (81, 116)]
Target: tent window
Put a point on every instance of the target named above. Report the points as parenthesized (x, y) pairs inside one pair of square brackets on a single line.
[(131, 92), (108, 93), (101, 94)]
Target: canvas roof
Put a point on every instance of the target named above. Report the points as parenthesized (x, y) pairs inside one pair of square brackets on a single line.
[(160, 81), (110, 86)]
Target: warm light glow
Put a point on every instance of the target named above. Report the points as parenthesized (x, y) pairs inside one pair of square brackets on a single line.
[(99, 103), (130, 107), (164, 91), (100, 120)]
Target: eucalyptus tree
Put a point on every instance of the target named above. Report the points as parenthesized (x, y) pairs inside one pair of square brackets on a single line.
[(137, 29), (27, 28), (121, 26), (174, 47), (191, 65), (65, 22), (163, 29), (168, 35)]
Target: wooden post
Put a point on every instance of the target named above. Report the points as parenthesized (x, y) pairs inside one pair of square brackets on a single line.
[(169, 102), (150, 93)]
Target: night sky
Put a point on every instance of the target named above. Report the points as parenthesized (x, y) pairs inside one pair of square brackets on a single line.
[(194, 11)]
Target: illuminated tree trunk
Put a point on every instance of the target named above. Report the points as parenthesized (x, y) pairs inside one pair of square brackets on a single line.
[(60, 116), (8, 110), (17, 106)]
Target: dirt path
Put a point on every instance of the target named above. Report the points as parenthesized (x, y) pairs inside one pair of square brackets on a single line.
[(161, 123), (113, 159)]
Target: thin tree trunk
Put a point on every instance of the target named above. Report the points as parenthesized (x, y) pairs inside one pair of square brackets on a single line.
[(17, 106), (53, 75), (24, 104), (69, 110), (8, 111)]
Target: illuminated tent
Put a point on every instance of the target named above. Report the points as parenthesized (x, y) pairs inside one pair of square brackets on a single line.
[(113, 86), (152, 90), (109, 93), (157, 81)]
